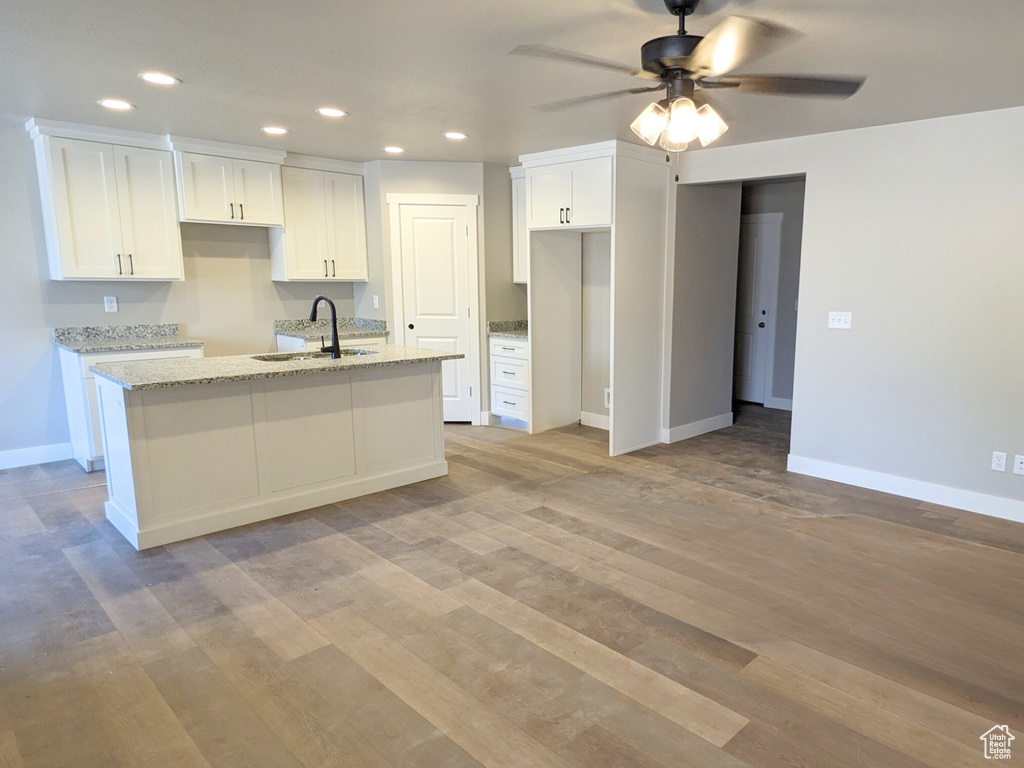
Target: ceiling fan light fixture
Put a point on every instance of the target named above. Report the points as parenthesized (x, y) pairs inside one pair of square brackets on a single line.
[(682, 125), (709, 125), (650, 123)]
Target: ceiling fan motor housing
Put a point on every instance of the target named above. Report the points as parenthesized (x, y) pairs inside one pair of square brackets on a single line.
[(681, 7), (653, 52)]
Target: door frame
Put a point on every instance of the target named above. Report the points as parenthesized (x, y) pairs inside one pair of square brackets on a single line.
[(396, 307), (771, 273)]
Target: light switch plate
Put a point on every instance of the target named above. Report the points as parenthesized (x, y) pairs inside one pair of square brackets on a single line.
[(1018, 465), (376, 301), (840, 320), (110, 303)]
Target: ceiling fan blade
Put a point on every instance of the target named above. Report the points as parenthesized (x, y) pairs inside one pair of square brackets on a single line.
[(788, 85), (737, 40), (557, 106), (547, 52)]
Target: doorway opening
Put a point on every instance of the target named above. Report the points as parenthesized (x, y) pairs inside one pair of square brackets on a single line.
[(767, 289)]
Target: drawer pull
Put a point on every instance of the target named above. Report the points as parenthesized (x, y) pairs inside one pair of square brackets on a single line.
[(506, 402), (508, 349), (507, 373)]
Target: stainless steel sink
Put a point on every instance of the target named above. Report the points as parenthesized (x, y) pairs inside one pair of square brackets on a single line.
[(288, 357)]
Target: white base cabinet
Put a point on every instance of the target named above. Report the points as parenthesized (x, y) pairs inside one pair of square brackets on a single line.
[(510, 378), (294, 344), (324, 235), (80, 396), (109, 210)]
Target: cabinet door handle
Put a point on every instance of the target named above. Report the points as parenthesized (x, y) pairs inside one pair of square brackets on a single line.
[(241, 212), (561, 215), (131, 265), (334, 272), (232, 210), (566, 215), (119, 270), (325, 267)]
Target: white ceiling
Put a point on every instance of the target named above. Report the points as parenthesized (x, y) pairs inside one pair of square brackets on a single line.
[(408, 70)]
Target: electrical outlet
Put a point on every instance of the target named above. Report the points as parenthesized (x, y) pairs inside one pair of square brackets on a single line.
[(376, 301), (998, 461), (1018, 465), (840, 320), (110, 303), (607, 398)]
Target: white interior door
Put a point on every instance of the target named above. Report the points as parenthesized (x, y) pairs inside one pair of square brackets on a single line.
[(757, 285), (436, 294)]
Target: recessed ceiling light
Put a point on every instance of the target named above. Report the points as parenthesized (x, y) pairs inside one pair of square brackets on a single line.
[(159, 78), (331, 112), (274, 130), (394, 150), (117, 104), (455, 135)]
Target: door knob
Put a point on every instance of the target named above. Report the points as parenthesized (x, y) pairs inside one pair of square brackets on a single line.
[(760, 325), (411, 326)]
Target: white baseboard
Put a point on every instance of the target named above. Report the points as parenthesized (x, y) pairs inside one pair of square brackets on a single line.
[(694, 428), (972, 501), (601, 421), (41, 454), (780, 403)]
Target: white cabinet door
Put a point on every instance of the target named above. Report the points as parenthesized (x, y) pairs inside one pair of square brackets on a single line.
[(88, 223), (305, 255), (258, 199), (591, 193), (346, 226), (549, 193), (207, 187), (520, 233), (149, 217)]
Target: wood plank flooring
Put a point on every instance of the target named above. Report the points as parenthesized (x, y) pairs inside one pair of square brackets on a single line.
[(543, 605)]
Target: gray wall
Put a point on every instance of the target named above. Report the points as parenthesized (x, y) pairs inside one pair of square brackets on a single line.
[(227, 299), (918, 233), (597, 339), (785, 196), (704, 305)]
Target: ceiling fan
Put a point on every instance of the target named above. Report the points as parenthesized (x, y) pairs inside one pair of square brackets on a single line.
[(683, 63)]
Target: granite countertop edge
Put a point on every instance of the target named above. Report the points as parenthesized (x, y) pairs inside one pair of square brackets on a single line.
[(128, 345), (311, 336), (508, 334), (247, 369)]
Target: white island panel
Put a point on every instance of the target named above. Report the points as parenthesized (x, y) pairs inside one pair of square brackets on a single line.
[(197, 458)]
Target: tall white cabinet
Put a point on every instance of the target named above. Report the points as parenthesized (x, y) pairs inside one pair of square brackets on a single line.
[(520, 231), (621, 189), (108, 201), (324, 234)]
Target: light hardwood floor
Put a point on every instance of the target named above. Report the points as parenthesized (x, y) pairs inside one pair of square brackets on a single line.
[(543, 605)]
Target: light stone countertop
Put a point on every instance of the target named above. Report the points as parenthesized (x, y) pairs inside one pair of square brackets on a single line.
[(508, 329), (121, 338), (160, 374), (509, 334)]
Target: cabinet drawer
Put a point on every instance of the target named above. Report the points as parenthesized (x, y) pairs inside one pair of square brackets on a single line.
[(139, 356), (510, 372), (519, 348), (510, 402)]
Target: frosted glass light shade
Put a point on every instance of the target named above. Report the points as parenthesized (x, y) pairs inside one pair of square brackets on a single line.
[(682, 126), (709, 125), (651, 122)]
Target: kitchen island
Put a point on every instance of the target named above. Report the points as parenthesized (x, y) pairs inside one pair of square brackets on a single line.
[(201, 445)]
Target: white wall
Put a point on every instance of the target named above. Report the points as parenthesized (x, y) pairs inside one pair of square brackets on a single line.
[(785, 196), (227, 299), (916, 229), (597, 329)]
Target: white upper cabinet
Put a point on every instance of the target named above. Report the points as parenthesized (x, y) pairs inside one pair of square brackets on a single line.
[(108, 210), (520, 233), (149, 217), (569, 195), (324, 237), (229, 190)]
